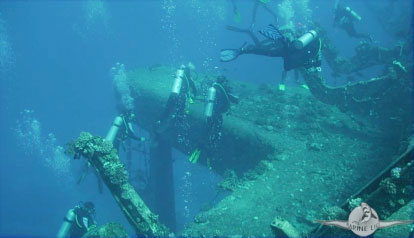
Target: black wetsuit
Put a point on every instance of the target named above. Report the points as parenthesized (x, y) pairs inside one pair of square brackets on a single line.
[(82, 223), (309, 56), (222, 102), (174, 112), (266, 47), (215, 122)]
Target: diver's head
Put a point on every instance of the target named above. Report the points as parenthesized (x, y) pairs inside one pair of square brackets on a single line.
[(221, 79), (191, 66), (89, 208)]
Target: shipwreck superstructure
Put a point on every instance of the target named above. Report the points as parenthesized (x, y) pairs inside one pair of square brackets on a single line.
[(288, 158)]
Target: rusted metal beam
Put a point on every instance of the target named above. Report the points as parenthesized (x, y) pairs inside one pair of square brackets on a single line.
[(104, 158)]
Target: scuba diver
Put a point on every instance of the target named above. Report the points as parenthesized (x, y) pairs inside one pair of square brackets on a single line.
[(304, 51), (120, 131), (268, 47), (183, 89), (78, 221), (345, 18), (219, 99), (171, 127)]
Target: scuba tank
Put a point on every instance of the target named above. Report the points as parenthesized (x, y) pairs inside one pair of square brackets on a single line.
[(211, 97), (176, 96), (113, 131), (353, 14), (305, 39), (67, 224), (178, 81)]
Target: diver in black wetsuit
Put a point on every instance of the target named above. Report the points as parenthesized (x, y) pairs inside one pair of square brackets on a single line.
[(78, 221), (345, 18), (304, 51), (267, 47), (183, 92), (219, 99)]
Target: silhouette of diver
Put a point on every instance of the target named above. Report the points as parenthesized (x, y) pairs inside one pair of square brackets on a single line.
[(345, 18), (280, 44)]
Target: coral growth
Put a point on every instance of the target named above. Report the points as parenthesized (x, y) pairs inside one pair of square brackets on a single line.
[(334, 213), (103, 157), (283, 228), (101, 153), (88, 145), (353, 203), (396, 172), (230, 181), (388, 186), (107, 230)]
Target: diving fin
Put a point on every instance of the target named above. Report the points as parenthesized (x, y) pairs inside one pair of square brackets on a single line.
[(229, 55), (194, 156)]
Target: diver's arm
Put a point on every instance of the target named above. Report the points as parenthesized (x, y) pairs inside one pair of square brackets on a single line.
[(234, 6)]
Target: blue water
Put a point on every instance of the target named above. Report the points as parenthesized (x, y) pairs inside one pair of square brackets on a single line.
[(60, 68)]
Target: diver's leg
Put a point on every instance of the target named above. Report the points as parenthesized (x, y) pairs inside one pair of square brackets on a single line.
[(350, 29), (254, 13), (303, 85), (266, 48), (363, 36), (233, 4), (296, 77), (267, 8), (246, 31), (227, 55), (236, 14)]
